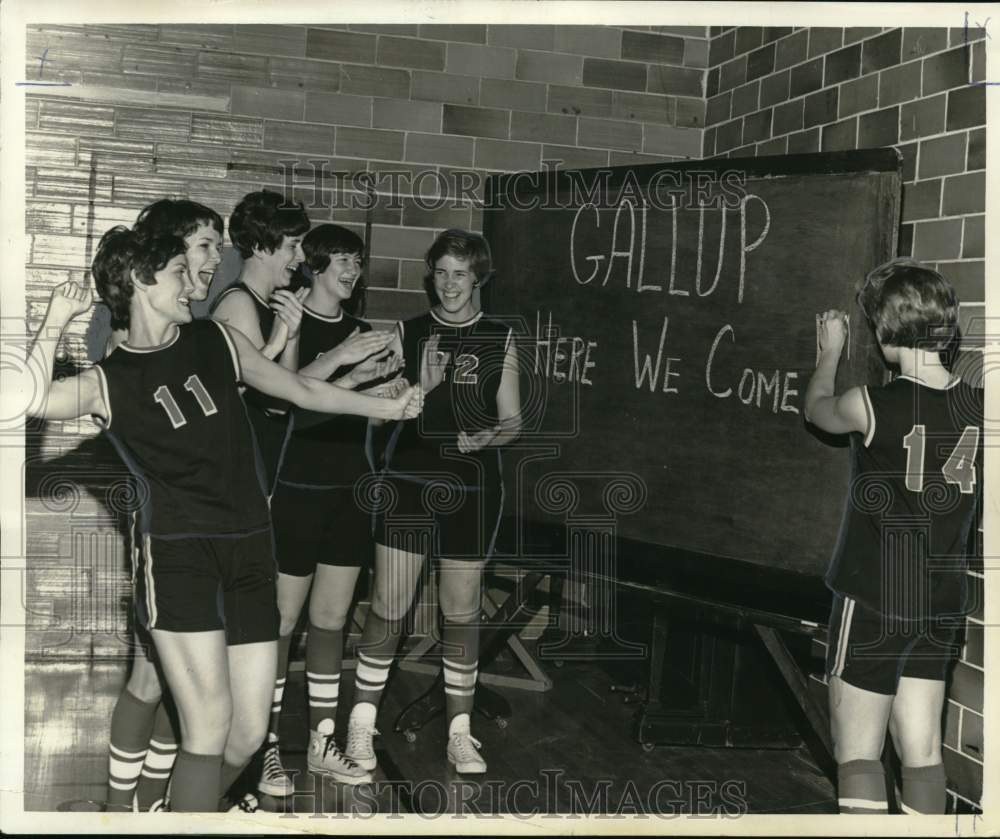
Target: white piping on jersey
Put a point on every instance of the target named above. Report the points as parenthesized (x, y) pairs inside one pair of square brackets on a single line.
[(134, 545), (232, 349), (150, 586), (324, 318), (124, 345), (506, 345), (846, 615), (223, 293), (253, 294), (949, 386), (102, 383), (870, 415), (468, 322)]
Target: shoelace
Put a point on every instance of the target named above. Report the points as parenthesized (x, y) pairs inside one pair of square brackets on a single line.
[(464, 744), (331, 746), (272, 762), (359, 738)]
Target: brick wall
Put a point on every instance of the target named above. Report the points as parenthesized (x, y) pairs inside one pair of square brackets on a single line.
[(791, 90), (209, 111)]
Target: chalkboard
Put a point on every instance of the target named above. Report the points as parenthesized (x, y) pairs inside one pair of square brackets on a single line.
[(668, 331)]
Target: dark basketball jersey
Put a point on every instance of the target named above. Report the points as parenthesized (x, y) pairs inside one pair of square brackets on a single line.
[(176, 417), (915, 483), (265, 317), (466, 400), (332, 453)]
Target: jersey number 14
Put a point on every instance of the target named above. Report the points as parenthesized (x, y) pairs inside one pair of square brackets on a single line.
[(959, 468), (192, 385)]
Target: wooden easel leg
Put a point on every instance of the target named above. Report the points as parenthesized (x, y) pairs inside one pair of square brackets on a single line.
[(799, 686), (498, 630), (411, 661)]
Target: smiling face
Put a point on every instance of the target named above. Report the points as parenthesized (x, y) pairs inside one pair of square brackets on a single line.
[(283, 260), (170, 295), (454, 281), (341, 275), (204, 253)]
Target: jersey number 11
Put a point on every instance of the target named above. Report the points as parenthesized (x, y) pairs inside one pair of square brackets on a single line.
[(192, 385)]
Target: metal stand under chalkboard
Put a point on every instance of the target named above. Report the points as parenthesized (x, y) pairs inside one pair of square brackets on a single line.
[(657, 724)]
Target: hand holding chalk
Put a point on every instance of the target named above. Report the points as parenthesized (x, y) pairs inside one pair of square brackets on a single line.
[(832, 331)]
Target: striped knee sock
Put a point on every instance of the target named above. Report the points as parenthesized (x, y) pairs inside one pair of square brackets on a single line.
[(461, 666), (152, 786), (324, 658), (131, 725), (861, 787), (923, 790), (195, 785), (284, 647), (376, 650)]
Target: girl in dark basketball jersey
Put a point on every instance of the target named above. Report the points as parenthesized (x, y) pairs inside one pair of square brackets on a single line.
[(168, 399), (444, 470), (898, 570), (321, 527), (143, 742), (267, 231)]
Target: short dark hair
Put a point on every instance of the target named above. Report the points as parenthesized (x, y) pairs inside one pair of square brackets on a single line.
[(122, 251), (175, 217), (461, 244), (910, 305), (262, 219), (326, 240)]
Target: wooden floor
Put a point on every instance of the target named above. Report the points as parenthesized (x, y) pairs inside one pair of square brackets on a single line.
[(565, 750)]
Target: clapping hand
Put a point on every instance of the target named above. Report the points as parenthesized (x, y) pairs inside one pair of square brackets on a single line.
[(288, 306), (474, 442), (433, 364), (410, 402), (360, 346), (389, 390)]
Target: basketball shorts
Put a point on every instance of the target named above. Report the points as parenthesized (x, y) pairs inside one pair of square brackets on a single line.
[(269, 433), (446, 520), (200, 584), (873, 651), (320, 526)]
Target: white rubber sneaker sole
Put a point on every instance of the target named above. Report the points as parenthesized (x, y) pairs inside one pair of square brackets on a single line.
[(352, 780), (368, 764), (276, 789), (467, 768)]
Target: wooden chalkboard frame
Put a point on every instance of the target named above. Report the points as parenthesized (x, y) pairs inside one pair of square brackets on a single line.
[(523, 186), (816, 163)]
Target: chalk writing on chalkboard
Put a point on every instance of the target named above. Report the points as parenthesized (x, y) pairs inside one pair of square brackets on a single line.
[(677, 339)]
